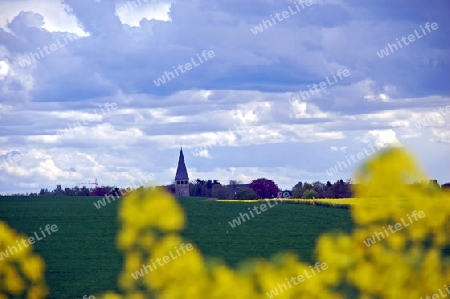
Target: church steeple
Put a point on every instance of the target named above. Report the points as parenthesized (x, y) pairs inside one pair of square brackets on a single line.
[(181, 177), (181, 169)]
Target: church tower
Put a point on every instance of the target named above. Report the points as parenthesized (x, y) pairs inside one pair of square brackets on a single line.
[(181, 178)]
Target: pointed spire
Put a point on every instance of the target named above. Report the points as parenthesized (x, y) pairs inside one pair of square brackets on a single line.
[(181, 169)]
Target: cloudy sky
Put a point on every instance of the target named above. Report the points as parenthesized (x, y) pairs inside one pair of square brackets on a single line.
[(287, 91)]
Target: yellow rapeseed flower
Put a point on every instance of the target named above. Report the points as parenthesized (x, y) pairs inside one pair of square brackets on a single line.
[(21, 271)]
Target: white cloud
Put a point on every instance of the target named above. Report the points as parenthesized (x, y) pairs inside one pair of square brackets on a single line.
[(335, 148), (132, 12), (306, 110), (381, 138), (4, 68), (204, 153), (54, 12), (442, 135)]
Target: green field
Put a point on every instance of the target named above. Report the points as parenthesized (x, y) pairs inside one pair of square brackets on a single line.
[(82, 259)]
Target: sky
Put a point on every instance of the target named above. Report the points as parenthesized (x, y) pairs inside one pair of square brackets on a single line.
[(289, 91)]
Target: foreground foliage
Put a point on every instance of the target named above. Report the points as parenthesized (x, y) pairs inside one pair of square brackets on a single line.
[(412, 262), (21, 271)]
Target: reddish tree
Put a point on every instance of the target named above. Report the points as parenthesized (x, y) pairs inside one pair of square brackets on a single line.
[(264, 188), (98, 191)]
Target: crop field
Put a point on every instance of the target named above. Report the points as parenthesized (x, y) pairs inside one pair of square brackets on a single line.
[(341, 203), (82, 259)]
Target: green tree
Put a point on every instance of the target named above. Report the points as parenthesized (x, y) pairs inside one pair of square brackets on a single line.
[(297, 193), (234, 182), (84, 191), (58, 190), (299, 185), (68, 192), (320, 189), (222, 192), (43, 192), (310, 193), (199, 188), (246, 194), (300, 188)]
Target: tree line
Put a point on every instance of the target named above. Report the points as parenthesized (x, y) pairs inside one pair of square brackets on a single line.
[(257, 189), (265, 188)]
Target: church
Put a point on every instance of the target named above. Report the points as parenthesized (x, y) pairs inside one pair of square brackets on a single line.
[(181, 177)]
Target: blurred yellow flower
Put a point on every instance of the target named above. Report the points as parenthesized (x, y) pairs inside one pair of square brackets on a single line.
[(21, 271)]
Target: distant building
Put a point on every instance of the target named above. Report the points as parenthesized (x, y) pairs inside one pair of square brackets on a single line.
[(181, 177)]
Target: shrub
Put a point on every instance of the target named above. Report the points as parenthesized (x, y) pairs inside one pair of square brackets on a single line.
[(246, 194), (222, 192), (310, 193), (297, 193)]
